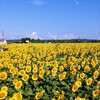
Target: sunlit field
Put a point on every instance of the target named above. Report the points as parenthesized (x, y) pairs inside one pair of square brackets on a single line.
[(50, 71)]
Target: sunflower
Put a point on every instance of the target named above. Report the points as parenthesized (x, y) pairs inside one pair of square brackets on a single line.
[(61, 97), (74, 71), (82, 75), (98, 82), (95, 92), (34, 59), (64, 73), (13, 98), (3, 75), (41, 68), (78, 98), (18, 85), (18, 96), (93, 63), (3, 94), (39, 94), (28, 62), (87, 68), (61, 77), (28, 69), (35, 69), (61, 68), (4, 88), (89, 81), (41, 73), (12, 69), (54, 71), (96, 74), (53, 99), (22, 72), (48, 72), (15, 81), (25, 77), (1, 66), (75, 87), (79, 83), (79, 67), (34, 77)]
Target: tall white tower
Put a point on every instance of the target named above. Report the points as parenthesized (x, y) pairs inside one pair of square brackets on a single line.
[(2, 36), (2, 40)]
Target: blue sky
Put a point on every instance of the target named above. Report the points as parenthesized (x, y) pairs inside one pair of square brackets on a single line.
[(50, 19)]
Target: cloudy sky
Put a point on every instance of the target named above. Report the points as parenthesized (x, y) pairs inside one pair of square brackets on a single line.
[(50, 19)]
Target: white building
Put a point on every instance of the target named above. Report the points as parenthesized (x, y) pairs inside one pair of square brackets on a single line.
[(27, 41), (2, 41)]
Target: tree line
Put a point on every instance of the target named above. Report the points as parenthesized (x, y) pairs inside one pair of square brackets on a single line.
[(29, 40), (25, 40)]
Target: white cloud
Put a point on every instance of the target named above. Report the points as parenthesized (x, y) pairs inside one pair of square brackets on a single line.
[(51, 36), (69, 36), (34, 35), (61, 36), (38, 2)]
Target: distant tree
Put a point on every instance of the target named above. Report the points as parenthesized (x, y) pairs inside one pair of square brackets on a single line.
[(26, 40), (38, 40), (23, 40)]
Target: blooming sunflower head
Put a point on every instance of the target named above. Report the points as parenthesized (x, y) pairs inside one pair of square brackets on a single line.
[(3, 75), (4, 88), (18, 85), (3, 94), (95, 92), (89, 81)]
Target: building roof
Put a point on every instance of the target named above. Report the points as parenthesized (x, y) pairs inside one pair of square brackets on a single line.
[(2, 41)]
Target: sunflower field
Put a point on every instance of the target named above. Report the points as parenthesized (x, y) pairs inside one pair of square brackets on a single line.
[(64, 71)]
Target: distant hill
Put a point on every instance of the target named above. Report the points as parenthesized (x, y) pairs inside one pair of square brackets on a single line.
[(55, 41), (14, 41)]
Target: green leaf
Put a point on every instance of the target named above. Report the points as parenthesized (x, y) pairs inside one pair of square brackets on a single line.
[(65, 98), (9, 79), (36, 84), (59, 89), (73, 94), (71, 98), (48, 88), (86, 95), (46, 97), (47, 80), (54, 90), (38, 89), (55, 83), (28, 91), (7, 98), (63, 83)]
